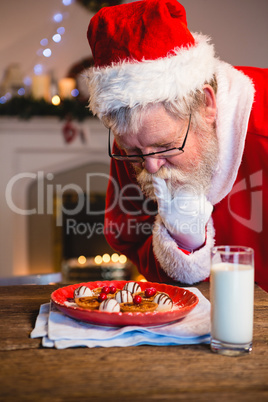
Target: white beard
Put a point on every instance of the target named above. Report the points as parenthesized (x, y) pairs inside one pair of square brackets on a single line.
[(196, 178)]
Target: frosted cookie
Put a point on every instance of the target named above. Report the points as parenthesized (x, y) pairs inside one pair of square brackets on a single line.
[(82, 291), (124, 296), (110, 305), (132, 287), (164, 302)]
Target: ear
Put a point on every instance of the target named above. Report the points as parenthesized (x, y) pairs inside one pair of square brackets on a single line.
[(210, 104)]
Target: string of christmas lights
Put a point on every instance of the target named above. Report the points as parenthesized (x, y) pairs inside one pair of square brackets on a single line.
[(43, 85)]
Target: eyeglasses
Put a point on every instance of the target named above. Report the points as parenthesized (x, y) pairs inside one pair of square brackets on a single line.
[(168, 153)]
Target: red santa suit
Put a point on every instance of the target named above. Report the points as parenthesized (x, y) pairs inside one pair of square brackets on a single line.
[(239, 191), (144, 53)]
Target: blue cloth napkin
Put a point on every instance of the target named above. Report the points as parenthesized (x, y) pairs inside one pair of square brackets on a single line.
[(59, 331)]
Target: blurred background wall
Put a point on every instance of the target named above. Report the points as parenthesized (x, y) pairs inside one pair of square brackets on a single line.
[(238, 28)]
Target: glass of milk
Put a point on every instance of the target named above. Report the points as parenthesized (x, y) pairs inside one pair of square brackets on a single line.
[(232, 299)]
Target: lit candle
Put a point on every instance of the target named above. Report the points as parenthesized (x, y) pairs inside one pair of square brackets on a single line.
[(41, 87), (82, 260), (66, 86), (55, 100)]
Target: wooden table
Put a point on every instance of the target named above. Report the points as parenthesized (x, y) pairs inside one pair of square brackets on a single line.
[(29, 372)]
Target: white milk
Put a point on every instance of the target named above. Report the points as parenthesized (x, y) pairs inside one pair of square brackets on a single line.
[(232, 300)]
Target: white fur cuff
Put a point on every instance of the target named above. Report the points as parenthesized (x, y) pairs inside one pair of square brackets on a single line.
[(184, 268)]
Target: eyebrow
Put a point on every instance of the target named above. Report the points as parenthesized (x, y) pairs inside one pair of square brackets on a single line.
[(170, 144), (163, 145), (155, 145)]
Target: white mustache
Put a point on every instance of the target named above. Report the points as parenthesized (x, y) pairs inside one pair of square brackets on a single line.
[(173, 176)]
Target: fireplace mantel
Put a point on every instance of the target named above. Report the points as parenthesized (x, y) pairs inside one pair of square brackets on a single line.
[(28, 147)]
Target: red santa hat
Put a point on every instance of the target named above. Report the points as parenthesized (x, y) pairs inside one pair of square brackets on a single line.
[(143, 52)]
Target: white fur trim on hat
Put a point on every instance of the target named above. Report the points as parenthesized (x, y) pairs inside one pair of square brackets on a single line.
[(184, 268), (128, 84)]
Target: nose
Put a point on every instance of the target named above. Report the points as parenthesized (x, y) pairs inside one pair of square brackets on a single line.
[(152, 165)]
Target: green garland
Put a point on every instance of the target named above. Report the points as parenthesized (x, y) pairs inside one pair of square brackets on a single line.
[(27, 107)]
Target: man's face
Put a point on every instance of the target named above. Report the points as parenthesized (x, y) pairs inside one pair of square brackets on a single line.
[(160, 131)]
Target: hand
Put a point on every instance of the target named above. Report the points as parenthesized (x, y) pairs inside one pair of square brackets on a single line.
[(185, 215)]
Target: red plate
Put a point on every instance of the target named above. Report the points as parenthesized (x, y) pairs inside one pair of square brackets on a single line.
[(183, 302)]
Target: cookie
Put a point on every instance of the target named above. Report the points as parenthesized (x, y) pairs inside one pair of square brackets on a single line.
[(143, 307), (146, 298), (90, 303)]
